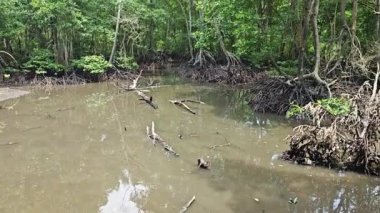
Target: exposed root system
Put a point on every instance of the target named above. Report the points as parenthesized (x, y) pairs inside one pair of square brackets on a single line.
[(349, 142), (274, 95), (219, 74)]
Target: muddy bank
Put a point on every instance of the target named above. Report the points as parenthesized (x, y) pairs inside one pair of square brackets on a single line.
[(8, 93), (349, 141)]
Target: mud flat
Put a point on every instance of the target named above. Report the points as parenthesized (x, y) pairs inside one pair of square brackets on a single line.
[(8, 93)]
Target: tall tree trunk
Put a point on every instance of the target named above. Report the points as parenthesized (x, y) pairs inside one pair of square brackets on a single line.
[(116, 33), (354, 18), (343, 19), (190, 29), (188, 25), (317, 47), (377, 31), (303, 35), (294, 21)]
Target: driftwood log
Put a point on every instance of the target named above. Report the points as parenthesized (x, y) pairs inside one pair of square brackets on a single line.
[(221, 145), (187, 206), (133, 86), (157, 139), (147, 99), (182, 104)]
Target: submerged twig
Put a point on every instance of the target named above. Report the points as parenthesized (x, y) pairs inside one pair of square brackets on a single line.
[(157, 139), (221, 145), (187, 206), (183, 105)]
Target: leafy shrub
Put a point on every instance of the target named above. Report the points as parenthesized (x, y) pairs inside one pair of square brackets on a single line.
[(294, 110), (335, 106), (93, 64), (128, 63), (42, 61)]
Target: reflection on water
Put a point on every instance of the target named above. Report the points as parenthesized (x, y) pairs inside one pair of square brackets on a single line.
[(70, 146), (122, 198)]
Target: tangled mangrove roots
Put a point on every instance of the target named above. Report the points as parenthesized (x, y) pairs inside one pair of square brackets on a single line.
[(48, 83), (219, 74), (275, 95), (348, 142)]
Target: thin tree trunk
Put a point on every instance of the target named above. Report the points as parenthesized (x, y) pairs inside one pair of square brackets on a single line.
[(343, 19), (317, 47), (304, 31), (190, 30), (188, 25), (354, 18), (116, 33), (377, 32)]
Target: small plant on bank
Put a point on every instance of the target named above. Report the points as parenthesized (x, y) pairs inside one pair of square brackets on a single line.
[(42, 62), (127, 63), (294, 111), (93, 64), (335, 106)]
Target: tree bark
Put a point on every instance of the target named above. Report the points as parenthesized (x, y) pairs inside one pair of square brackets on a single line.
[(343, 19), (188, 25), (354, 18), (317, 48), (303, 34), (116, 33), (377, 12)]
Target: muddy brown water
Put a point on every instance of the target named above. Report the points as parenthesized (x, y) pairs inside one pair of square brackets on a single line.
[(84, 149)]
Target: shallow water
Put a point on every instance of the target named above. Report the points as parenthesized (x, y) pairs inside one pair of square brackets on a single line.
[(85, 149)]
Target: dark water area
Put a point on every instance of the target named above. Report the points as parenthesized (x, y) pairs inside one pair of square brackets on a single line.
[(85, 149)]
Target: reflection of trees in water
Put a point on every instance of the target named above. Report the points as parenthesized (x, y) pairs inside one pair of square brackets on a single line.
[(232, 104), (345, 198), (275, 187)]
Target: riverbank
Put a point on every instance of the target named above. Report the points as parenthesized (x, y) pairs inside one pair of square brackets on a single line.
[(8, 93)]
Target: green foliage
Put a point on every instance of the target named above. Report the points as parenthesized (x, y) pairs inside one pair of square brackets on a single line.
[(255, 31), (93, 64), (294, 110), (335, 106), (42, 62), (288, 67), (128, 63)]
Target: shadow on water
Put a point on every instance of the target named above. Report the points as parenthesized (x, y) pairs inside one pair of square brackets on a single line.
[(272, 189)]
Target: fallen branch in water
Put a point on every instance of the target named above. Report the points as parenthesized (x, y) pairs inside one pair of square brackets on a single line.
[(187, 206), (134, 83), (181, 104), (8, 144), (203, 164), (154, 136), (221, 145), (65, 109), (192, 101), (157, 139), (147, 99)]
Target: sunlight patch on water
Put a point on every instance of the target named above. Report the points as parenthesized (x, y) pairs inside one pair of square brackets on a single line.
[(123, 198)]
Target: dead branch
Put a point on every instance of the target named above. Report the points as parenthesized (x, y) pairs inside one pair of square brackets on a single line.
[(183, 105), (134, 82), (147, 99), (192, 101), (187, 206), (374, 91), (8, 144), (157, 139), (221, 145)]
